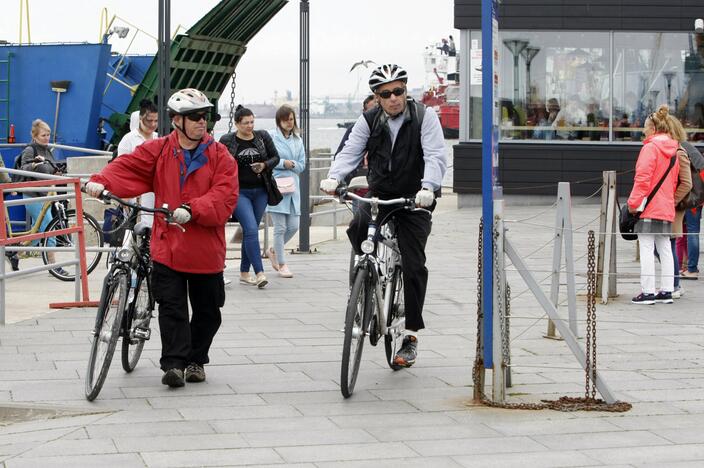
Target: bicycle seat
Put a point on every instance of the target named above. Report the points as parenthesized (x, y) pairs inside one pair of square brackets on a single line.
[(358, 183), (142, 229)]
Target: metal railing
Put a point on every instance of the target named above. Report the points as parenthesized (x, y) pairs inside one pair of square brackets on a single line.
[(79, 261)]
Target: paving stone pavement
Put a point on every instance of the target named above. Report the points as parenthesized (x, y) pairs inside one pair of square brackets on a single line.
[(272, 396)]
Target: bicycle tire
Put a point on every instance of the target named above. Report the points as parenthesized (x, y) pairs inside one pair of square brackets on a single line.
[(395, 312), (106, 331), (358, 311), (139, 310), (93, 236)]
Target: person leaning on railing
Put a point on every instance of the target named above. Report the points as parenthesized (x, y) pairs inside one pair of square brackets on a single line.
[(36, 157), (196, 178)]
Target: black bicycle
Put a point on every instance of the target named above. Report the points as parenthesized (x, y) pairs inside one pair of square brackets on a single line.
[(126, 301), (375, 305)]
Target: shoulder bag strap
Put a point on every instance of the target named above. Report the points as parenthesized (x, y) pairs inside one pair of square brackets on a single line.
[(662, 179)]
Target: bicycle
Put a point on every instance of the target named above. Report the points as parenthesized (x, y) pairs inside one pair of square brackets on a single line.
[(63, 218), (129, 314), (375, 305)]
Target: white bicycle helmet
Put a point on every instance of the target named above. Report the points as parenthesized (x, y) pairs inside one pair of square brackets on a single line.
[(386, 74), (188, 100)]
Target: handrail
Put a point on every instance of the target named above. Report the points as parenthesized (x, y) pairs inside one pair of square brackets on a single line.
[(80, 248), (59, 146)]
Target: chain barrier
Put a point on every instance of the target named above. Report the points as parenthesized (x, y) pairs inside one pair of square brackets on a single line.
[(233, 85), (565, 403), (503, 326), (590, 363), (478, 361), (535, 187)]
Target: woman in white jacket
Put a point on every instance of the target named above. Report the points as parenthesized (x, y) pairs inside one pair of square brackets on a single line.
[(286, 215)]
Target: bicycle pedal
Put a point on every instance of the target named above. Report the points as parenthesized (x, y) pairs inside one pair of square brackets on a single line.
[(141, 333)]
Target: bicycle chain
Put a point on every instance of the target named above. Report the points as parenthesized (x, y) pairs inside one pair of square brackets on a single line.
[(565, 403)]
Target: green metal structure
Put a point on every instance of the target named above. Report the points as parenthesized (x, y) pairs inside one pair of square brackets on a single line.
[(206, 56)]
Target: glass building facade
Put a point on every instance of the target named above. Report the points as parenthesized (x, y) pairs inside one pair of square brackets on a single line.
[(591, 86)]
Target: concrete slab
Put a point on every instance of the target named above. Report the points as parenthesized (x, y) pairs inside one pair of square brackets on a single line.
[(272, 394)]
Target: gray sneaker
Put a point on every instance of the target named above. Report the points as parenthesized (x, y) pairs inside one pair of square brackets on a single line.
[(406, 356), (195, 373), (173, 378)]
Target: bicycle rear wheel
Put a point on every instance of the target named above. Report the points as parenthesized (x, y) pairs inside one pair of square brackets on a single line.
[(94, 238), (137, 329), (358, 313), (395, 319), (113, 303)]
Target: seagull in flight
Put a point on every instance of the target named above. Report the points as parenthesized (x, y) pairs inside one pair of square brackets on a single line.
[(362, 63)]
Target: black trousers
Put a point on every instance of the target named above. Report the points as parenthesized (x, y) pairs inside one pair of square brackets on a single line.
[(413, 229), (184, 341)]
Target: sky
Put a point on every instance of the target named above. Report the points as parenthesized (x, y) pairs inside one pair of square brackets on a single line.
[(342, 32)]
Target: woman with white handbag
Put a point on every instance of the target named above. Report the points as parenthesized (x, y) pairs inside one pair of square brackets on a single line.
[(286, 215)]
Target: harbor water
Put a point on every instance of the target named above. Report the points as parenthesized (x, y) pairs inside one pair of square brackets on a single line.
[(324, 133)]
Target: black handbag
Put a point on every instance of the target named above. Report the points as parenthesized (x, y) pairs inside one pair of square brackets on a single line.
[(274, 196), (627, 220)]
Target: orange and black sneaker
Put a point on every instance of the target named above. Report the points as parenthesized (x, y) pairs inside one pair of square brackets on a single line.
[(406, 356)]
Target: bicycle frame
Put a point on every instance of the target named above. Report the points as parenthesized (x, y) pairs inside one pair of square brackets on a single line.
[(382, 258), (37, 222), (382, 266), (133, 257)]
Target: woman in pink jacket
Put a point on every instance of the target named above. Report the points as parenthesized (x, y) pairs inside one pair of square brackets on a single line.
[(655, 225)]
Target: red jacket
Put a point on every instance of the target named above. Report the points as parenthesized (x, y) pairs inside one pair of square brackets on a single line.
[(209, 185), (653, 160)]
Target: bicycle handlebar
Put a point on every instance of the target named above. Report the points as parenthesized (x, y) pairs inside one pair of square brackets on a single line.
[(109, 196), (410, 202), (59, 168)]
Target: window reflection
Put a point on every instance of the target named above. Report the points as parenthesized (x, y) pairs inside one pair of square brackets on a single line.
[(655, 69), (556, 85)]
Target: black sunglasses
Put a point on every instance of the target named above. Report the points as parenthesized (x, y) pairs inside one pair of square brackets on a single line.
[(386, 94), (196, 116)]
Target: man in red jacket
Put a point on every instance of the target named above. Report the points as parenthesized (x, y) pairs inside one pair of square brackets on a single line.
[(195, 177)]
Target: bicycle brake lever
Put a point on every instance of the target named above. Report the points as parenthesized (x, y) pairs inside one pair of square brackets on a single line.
[(183, 229)]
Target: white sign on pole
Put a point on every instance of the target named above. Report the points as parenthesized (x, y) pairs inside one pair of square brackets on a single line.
[(475, 63)]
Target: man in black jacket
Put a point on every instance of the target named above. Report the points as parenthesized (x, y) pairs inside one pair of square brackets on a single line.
[(406, 158)]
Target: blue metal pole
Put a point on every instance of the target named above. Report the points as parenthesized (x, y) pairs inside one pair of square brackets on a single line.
[(488, 13)]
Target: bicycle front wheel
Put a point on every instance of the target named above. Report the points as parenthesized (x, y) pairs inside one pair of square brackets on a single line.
[(113, 303), (395, 318), (94, 238), (137, 329), (358, 313)]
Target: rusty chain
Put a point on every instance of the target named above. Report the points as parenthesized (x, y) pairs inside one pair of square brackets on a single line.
[(478, 361), (233, 85), (565, 403), (590, 355), (500, 298)]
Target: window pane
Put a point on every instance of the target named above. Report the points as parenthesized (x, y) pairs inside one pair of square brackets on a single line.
[(654, 69), (554, 85)]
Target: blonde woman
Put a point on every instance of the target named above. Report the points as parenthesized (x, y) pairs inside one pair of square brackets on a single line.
[(655, 163), (684, 185), (36, 157)]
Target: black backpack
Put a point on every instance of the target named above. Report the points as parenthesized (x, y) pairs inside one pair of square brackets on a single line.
[(18, 166), (695, 197)]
